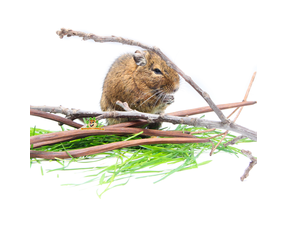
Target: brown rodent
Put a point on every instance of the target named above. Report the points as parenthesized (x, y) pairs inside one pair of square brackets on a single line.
[(143, 80)]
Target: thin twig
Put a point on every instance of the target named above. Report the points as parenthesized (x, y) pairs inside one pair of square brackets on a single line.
[(232, 112), (241, 108), (211, 137), (249, 87), (139, 122), (208, 130), (233, 141), (207, 109), (57, 137), (69, 113), (246, 94), (213, 149), (251, 164), (54, 117), (245, 98), (96, 38), (112, 146)]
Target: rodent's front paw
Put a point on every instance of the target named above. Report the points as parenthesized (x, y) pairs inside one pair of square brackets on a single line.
[(168, 99)]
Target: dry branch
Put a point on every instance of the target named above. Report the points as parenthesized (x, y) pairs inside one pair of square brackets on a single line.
[(151, 118), (207, 109), (213, 148), (112, 146), (57, 137), (129, 123), (208, 130), (251, 164), (246, 96), (69, 113), (232, 142), (249, 87), (54, 117), (76, 113), (96, 38), (166, 118)]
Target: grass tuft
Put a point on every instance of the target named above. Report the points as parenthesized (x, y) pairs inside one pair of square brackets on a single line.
[(116, 168)]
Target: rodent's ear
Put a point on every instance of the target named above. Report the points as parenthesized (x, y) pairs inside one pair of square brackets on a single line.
[(140, 58)]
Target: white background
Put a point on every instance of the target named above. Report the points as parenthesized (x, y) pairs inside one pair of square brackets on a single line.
[(219, 44)]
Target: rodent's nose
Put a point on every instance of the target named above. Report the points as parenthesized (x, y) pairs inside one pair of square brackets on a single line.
[(175, 90)]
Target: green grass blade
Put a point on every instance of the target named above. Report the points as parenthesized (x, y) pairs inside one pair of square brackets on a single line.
[(133, 136), (102, 179), (42, 172)]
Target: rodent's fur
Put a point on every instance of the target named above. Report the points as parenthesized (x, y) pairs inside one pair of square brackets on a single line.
[(146, 88)]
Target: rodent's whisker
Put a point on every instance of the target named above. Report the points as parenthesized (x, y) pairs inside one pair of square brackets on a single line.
[(163, 98), (159, 97), (150, 97)]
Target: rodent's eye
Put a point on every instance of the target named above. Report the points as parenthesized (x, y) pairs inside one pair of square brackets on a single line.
[(157, 71)]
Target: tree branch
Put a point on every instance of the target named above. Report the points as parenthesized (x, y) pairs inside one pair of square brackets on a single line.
[(232, 142), (251, 164), (69, 113), (77, 113), (207, 109), (54, 117), (151, 118), (155, 118)]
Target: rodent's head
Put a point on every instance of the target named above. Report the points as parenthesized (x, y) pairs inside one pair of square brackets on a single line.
[(155, 73)]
